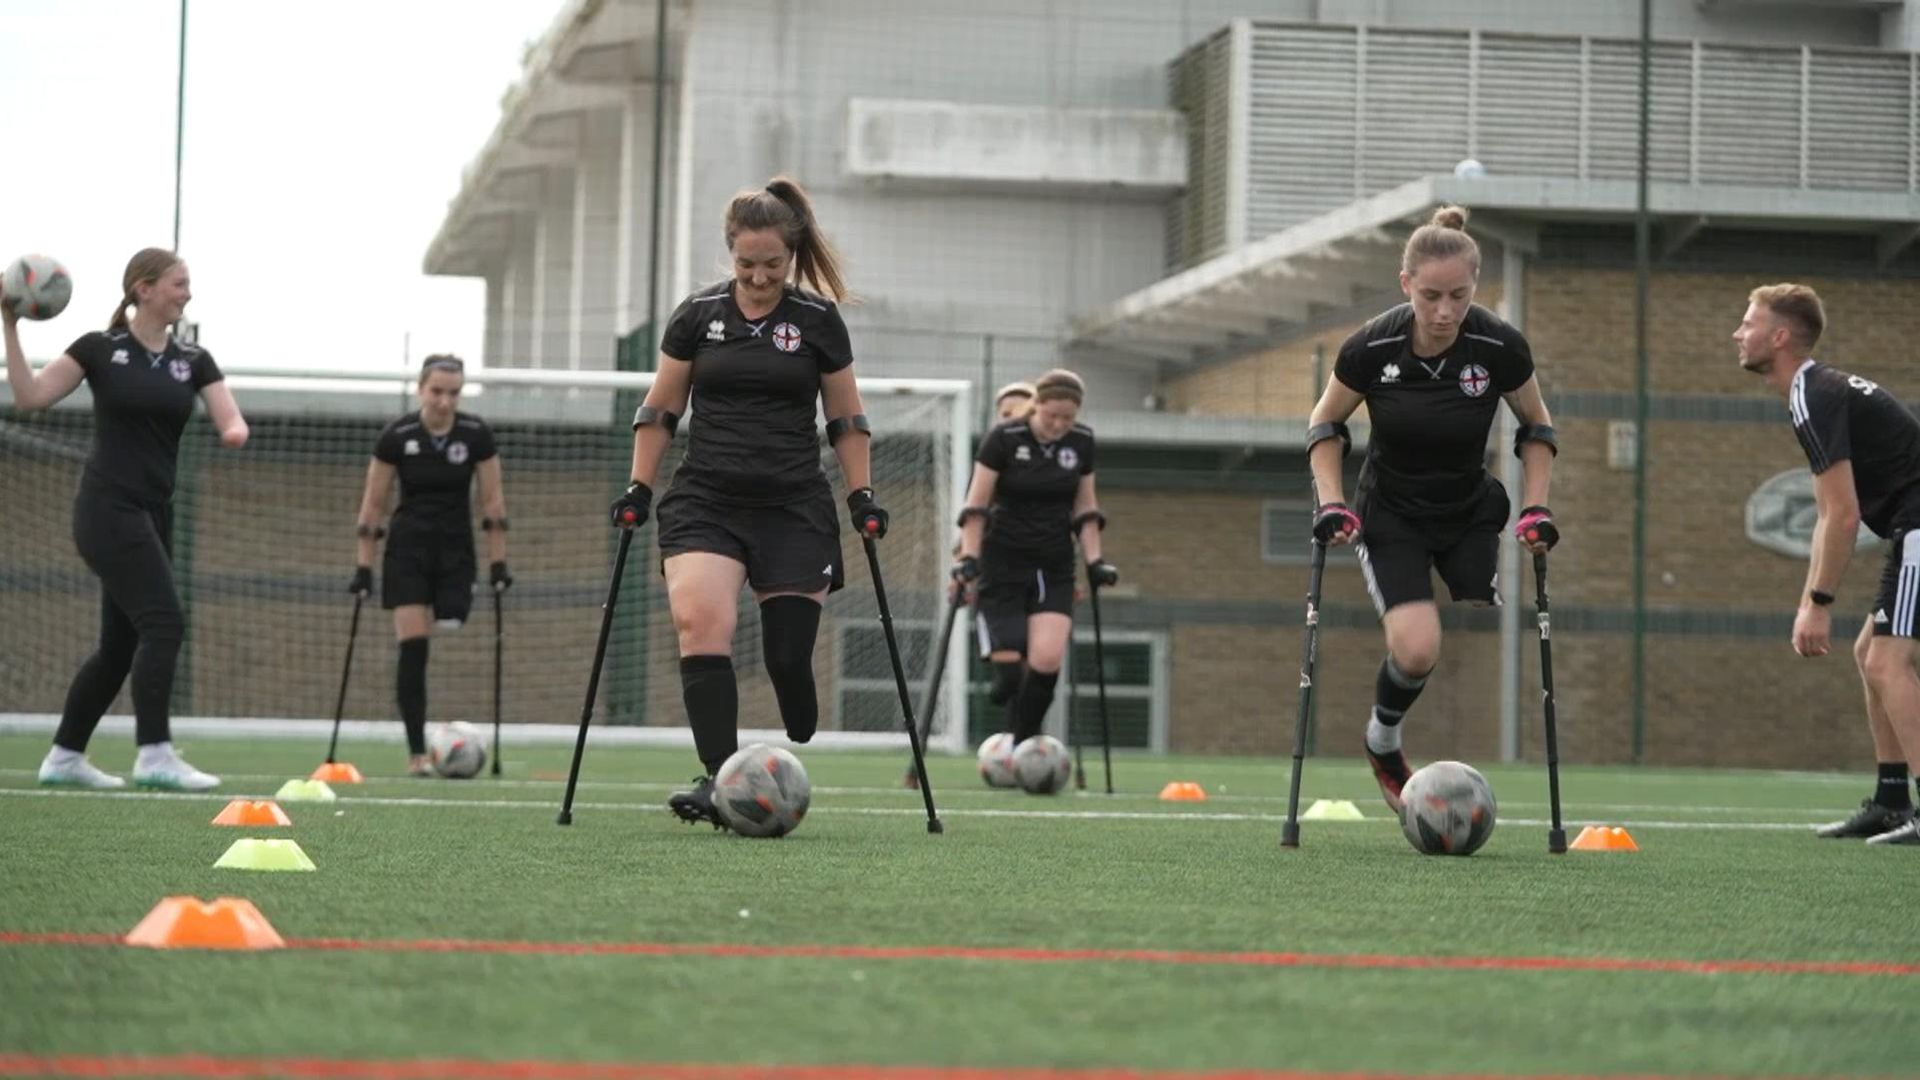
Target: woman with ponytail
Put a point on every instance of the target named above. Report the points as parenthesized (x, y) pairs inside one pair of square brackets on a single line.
[(144, 382), (750, 505), (1032, 495), (1432, 373)]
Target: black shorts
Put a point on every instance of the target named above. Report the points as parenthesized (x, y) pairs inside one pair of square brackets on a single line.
[(1398, 554), (1010, 592), (437, 571), (793, 547), (1893, 606)]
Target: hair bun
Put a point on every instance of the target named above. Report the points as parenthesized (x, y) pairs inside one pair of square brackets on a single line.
[(1449, 217)]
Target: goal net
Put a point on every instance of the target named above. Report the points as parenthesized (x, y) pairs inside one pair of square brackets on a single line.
[(264, 546)]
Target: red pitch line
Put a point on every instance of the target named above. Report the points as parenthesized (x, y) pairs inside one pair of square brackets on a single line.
[(204, 1067), (1064, 956)]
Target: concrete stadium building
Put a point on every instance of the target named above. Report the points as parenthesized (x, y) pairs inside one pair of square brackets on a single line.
[(1194, 203)]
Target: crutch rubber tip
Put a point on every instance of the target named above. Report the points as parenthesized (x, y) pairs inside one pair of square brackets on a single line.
[(935, 828), (1556, 841), (566, 818), (1290, 834)]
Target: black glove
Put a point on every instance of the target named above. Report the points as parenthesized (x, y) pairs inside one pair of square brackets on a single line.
[(631, 509), (868, 518), (362, 584), (1103, 573), (965, 569), (1536, 527), (497, 575), (1332, 519)]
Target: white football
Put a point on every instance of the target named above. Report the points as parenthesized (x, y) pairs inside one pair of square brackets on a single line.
[(458, 751), (37, 285)]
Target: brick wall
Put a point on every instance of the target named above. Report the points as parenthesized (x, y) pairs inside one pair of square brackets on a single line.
[(1728, 692)]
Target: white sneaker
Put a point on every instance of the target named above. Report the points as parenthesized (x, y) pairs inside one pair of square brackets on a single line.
[(78, 773), (1905, 834), (172, 773)]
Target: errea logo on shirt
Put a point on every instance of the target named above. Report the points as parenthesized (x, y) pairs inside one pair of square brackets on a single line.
[(119, 357), (717, 330), (1390, 373)]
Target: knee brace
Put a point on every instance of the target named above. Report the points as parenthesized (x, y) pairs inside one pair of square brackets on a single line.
[(788, 627)]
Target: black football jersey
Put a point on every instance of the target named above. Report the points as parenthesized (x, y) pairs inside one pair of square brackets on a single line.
[(141, 403), (436, 471), (1841, 417), (1426, 453), (756, 384), (1032, 510)]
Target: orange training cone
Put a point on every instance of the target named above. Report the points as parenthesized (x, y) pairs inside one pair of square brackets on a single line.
[(1604, 838), (1183, 791), (183, 922), (337, 772), (251, 812)]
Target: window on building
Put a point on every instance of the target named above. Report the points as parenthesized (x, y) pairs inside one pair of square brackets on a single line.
[(1137, 693)]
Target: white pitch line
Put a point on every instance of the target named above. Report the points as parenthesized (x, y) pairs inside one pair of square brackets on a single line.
[(870, 811), (969, 792)]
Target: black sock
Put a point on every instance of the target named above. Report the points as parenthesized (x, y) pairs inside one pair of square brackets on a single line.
[(788, 627), (713, 708), (410, 686), (1032, 702), (1394, 692), (1006, 681), (1891, 791)]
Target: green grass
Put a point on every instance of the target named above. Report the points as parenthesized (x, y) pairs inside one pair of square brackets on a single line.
[(484, 860)]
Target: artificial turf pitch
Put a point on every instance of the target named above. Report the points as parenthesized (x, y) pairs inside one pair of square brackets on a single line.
[(1073, 936)]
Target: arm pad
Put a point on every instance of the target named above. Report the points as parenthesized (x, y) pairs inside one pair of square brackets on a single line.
[(1081, 519), (841, 425), (973, 512), (1540, 433), (488, 524), (647, 414), (1320, 433), (373, 531)]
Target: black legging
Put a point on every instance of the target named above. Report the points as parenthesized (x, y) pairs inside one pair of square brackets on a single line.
[(129, 546)]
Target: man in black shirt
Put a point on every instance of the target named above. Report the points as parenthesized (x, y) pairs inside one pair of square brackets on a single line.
[(750, 504), (1032, 492), (1432, 373), (144, 383), (1863, 446), (427, 574)]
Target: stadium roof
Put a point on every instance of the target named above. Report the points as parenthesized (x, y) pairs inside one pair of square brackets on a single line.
[(590, 57), (1271, 288)]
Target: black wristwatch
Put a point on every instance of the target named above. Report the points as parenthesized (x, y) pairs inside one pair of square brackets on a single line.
[(1823, 599)]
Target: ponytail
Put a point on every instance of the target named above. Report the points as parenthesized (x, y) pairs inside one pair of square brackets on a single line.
[(119, 320), (784, 205), (147, 266)]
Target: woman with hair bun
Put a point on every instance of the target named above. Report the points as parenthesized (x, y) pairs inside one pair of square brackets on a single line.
[(1432, 372)]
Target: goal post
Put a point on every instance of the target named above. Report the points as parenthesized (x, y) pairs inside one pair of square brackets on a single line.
[(264, 547)]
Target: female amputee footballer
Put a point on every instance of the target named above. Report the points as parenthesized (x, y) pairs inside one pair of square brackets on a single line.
[(1032, 492), (1432, 372), (1013, 402), (144, 382), (427, 573), (750, 504)]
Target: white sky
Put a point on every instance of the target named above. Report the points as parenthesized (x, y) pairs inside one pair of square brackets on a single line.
[(323, 141)]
